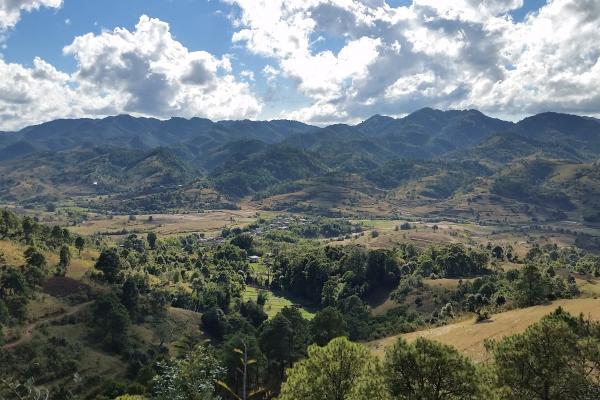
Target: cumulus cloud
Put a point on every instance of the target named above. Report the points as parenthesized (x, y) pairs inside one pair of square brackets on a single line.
[(347, 59), (448, 54), (10, 10), (28, 94), (142, 72)]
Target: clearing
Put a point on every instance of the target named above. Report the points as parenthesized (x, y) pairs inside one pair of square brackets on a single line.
[(274, 302)]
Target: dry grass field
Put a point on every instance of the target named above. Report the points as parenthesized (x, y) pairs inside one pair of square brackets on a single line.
[(468, 337), (13, 252), (209, 223)]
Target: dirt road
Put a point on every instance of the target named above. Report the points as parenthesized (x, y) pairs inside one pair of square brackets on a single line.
[(27, 335)]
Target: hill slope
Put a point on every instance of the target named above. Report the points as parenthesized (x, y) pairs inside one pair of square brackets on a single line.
[(468, 337), (54, 175)]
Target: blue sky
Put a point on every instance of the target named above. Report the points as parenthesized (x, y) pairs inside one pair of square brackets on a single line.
[(198, 24), (321, 61)]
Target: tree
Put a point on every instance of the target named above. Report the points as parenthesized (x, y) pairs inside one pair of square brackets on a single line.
[(427, 370), (557, 358), (253, 313), (326, 325), (214, 322), (191, 378), (498, 252), (64, 260), (405, 226), (244, 242), (241, 358), (151, 238), (110, 265), (35, 258), (300, 331), (339, 371), (111, 321), (382, 269), (12, 283), (130, 295), (276, 342), (65, 257), (36, 267), (530, 288), (356, 315), (27, 225), (9, 224), (56, 234), (79, 243), (331, 292)]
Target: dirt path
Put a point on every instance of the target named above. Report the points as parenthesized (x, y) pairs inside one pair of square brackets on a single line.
[(28, 334)]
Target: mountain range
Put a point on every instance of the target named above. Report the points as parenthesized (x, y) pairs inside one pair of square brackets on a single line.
[(431, 162)]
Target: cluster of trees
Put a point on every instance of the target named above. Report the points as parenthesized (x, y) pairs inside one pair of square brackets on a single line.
[(453, 261), (18, 283), (555, 359), (550, 256), (163, 201), (28, 230), (326, 275)]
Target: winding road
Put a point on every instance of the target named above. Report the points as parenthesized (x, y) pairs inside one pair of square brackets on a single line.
[(28, 334)]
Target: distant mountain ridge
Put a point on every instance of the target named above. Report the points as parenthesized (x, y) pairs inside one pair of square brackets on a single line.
[(424, 133), (427, 157)]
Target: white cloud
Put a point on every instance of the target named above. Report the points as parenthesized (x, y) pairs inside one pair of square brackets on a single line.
[(10, 10), (249, 75), (470, 10), (28, 94), (448, 54), (270, 73), (142, 72), (410, 84), (347, 59)]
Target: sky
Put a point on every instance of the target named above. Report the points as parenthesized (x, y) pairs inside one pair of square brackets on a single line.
[(317, 61)]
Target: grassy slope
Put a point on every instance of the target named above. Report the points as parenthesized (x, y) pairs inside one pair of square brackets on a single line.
[(274, 303), (469, 337)]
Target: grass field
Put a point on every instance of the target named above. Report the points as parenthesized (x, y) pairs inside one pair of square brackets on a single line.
[(274, 303), (589, 287), (210, 223), (468, 337), (43, 306), (13, 252)]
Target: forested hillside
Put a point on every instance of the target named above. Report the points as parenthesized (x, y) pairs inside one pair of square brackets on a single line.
[(428, 161)]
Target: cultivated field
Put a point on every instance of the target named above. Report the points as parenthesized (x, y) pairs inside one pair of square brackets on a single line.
[(469, 337)]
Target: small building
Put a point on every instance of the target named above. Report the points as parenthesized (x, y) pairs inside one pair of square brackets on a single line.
[(253, 259)]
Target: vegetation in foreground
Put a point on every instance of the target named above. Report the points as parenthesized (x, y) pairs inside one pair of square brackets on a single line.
[(137, 322)]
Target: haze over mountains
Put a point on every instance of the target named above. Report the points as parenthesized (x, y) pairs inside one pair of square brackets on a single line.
[(429, 157)]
